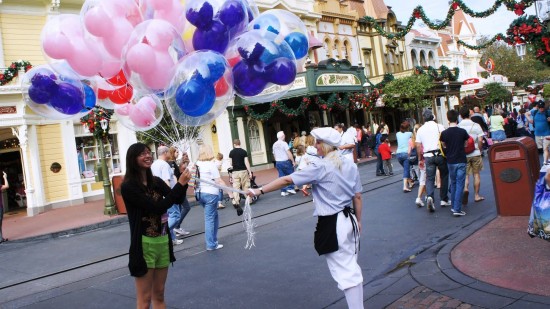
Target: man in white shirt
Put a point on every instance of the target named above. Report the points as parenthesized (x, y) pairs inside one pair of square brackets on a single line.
[(162, 169), (427, 148), (347, 143), (474, 163), (284, 161)]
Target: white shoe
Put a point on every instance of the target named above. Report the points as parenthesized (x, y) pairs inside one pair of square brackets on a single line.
[(177, 242), (219, 246), (419, 202), (291, 191), (181, 232), (444, 204), (430, 204), (284, 193)]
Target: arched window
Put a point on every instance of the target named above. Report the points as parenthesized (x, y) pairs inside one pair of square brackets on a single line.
[(414, 58), (254, 135), (336, 50), (328, 47), (347, 50)]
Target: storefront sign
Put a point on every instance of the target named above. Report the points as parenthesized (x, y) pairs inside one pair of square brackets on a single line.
[(337, 80), (299, 83), (481, 93), (470, 81), (8, 110)]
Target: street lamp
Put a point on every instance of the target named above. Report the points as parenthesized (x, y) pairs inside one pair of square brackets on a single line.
[(447, 89), (366, 86), (520, 50), (100, 118)]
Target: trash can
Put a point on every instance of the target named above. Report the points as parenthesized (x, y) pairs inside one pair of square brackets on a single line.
[(515, 170), (119, 202)]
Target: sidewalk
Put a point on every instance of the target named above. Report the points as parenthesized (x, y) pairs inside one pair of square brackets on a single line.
[(496, 266)]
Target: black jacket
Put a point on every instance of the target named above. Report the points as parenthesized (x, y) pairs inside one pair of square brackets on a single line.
[(139, 204)]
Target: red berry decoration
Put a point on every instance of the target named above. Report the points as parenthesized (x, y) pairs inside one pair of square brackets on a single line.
[(455, 5)]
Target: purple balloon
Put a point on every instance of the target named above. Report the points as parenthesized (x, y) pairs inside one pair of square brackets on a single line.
[(44, 82), (282, 71), (202, 19), (68, 100), (39, 95), (215, 38), (248, 81), (252, 57), (232, 13)]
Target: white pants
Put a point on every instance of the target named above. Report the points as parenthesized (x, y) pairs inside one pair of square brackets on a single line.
[(343, 263)]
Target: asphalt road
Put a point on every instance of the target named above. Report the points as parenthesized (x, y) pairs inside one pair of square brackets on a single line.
[(281, 271)]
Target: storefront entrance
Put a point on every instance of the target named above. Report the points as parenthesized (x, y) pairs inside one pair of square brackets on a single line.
[(10, 162)]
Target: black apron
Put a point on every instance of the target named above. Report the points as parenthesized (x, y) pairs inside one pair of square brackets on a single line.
[(325, 238)]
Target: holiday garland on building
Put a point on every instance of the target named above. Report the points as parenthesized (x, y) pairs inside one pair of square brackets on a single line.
[(419, 13), (446, 73), (93, 121), (13, 70)]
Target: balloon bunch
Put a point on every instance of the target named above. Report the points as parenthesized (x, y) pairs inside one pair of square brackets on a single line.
[(128, 55)]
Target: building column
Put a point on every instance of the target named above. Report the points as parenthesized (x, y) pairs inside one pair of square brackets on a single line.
[(36, 200), (325, 119)]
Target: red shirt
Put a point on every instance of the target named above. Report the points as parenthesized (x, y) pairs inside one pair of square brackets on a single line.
[(385, 151)]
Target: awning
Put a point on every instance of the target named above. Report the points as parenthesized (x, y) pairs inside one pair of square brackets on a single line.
[(314, 42)]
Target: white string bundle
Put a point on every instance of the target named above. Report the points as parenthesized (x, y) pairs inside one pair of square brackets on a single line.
[(248, 222)]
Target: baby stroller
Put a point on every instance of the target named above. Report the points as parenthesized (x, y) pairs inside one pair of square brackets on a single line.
[(253, 185)]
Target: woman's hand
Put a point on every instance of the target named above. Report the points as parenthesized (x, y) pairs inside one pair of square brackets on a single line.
[(252, 192), (184, 177)]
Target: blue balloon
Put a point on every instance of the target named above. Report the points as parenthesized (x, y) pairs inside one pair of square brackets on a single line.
[(215, 38), (39, 95), (298, 43), (89, 96), (217, 68), (252, 57), (282, 71), (44, 82), (267, 22), (68, 100), (195, 98), (202, 18), (232, 13), (248, 80)]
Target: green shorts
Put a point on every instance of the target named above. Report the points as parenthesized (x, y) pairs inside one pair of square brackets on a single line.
[(156, 251)]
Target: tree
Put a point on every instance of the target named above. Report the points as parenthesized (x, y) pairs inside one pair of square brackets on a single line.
[(408, 93), (507, 63), (497, 94)]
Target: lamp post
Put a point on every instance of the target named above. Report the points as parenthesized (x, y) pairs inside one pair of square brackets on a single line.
[(366, 87), (447, 89), (97, 122), (520, 50)]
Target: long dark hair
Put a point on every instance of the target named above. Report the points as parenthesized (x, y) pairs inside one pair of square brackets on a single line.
[(133, 171)]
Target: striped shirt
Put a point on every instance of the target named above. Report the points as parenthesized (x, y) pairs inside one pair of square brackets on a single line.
[(332, 189)]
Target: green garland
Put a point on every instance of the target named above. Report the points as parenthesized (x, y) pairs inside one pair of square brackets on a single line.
[(495, 38), (13, 70), (432, 72), (419, 13), (93, 118)]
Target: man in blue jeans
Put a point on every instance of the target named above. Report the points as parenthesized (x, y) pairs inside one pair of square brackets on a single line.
[(284, 161), (454, 140), (427, 148)]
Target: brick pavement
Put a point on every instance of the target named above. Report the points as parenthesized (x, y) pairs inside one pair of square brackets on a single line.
[(425, 298)]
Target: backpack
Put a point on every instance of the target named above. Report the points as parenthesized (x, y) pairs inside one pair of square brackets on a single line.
[(413, 157), (372, 141), (470, 144)]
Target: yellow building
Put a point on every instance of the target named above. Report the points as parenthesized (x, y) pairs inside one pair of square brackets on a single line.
[(30, 144)]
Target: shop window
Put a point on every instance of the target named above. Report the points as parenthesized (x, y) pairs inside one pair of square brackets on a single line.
[(254, 136), (89, 154), (366, 56)]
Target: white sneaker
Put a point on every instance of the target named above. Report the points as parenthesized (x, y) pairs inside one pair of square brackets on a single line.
[(444, 204), (419, 202), (430, 204), (284, 193), (291, 191), (177, 242), (219, 246), (459, 213), (181, 232)]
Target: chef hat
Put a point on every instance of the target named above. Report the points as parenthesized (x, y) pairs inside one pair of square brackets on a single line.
[(327, 135)]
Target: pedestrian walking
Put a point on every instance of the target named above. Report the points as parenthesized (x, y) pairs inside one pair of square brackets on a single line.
[(347, 141), (539, 117), (147, 198), (218, 161), (241, 171), (161, 169), (338, 205), (4, 186), (496, 126), (208, 196), (358, 140), (522, 124), (376, 143), (367, 135), (284, 161), (431, 154), (403, 152), (178, 212), (385, 153), (474, 161), (453, 140), (420, 169)]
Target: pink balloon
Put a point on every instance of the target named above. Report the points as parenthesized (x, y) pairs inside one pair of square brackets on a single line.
[(86, 59), (71, 26), (123, 109), (97, 22), (141, 58), (175, 17), (159, 33), (141, 116), (161, 4), (148, 104), (160, 79), (110, 67), (57, 46), (115, 42)]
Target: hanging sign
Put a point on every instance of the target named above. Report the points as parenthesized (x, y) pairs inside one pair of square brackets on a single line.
[(490, 65)]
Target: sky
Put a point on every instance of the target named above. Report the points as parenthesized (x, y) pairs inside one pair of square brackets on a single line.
[(437, 9)]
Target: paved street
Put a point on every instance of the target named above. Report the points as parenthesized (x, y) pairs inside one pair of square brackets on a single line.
[(403, 251)]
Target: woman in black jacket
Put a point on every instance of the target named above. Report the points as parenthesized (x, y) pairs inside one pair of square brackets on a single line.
[(147, 198)]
